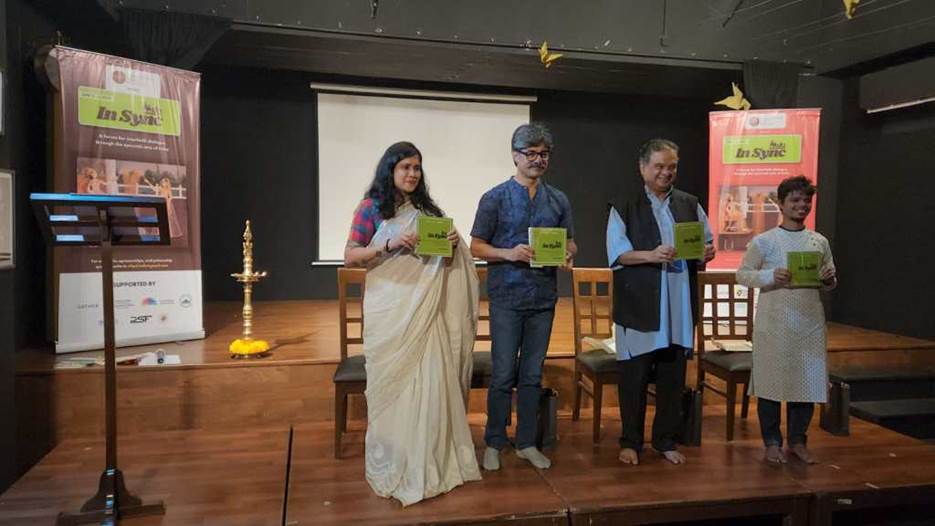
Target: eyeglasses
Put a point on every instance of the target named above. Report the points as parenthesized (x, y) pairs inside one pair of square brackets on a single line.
[(532, 155)]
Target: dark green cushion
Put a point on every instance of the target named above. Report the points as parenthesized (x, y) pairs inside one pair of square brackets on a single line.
[(598, 361), (482, 364), (732, 361), (351, 369)]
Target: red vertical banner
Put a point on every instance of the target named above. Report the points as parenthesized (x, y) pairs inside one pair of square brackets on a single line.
[(749, 153)]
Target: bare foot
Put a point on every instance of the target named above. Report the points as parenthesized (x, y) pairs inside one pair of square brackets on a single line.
[(802, 452), (674, 457), (774, 455), (629, 456)]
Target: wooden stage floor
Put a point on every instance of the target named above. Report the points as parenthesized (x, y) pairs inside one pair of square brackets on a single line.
[(209, 437), (306, 332), (236, 478)]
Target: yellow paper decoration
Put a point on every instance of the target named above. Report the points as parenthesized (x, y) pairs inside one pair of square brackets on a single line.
[(546, 57), (735, 101), (850, 7)]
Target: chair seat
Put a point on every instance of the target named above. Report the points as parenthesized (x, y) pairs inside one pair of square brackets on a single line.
[(351, 369), (598, 361), (734, 362), (483, 365)]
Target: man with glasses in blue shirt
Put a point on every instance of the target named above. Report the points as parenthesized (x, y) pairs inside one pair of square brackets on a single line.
[(522, 298)]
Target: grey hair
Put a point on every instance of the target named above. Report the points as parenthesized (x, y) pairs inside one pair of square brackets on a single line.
[(532, 134), (655, 145)]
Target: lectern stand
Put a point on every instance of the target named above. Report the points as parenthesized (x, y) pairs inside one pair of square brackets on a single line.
[(105, 221)]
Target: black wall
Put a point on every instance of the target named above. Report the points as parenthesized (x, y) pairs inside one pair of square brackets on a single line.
[(825, 93), (26, 26), (885, 224), (7, 357), (259, 141), (22, 149), (596, 153), (260, 162)]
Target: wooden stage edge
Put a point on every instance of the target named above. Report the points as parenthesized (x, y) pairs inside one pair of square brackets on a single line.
[(212, 392), (237, 478), (306, 332)]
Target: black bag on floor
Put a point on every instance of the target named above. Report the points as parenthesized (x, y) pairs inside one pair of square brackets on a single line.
[(547, 428)]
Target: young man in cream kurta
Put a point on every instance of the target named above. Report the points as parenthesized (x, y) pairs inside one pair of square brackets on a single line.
[(789, 336)]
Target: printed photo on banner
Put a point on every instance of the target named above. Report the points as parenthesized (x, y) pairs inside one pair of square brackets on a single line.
[(744, 212), (116, 177)]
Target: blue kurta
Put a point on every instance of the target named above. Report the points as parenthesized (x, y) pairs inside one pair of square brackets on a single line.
[(675, 310)]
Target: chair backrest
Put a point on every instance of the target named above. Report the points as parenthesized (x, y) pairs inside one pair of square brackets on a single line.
[(593, 299), (483, 309), (351, 285), (725, 309)]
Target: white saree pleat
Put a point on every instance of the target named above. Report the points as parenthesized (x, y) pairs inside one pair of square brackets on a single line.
[(420, 319)]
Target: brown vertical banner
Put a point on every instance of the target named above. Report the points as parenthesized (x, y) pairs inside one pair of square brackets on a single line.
[(126, 127)]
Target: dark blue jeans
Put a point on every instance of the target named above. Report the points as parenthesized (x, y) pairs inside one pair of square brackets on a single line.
[(520, 341)]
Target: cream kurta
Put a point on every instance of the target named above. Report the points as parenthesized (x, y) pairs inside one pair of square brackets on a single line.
[(789, 336), (420, 320)]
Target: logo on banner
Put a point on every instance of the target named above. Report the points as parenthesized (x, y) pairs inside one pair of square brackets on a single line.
[(185, 301), (149, 301), (125, 111), (741, 149), (766, 121), (133, 81), (140, 319)]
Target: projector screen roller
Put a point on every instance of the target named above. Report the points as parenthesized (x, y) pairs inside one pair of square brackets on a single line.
[(465, 147)]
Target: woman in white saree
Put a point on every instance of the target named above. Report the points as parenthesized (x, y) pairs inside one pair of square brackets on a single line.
[(420, 318)]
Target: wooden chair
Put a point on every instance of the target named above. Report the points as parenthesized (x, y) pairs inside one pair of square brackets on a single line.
[(593, 312), (351, 375), (480, 377), (726, 314)]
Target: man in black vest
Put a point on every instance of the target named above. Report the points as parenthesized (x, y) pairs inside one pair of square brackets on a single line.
[(654, 299)]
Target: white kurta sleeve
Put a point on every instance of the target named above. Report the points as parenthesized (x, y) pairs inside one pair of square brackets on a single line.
[(827, 260), (751, 273)]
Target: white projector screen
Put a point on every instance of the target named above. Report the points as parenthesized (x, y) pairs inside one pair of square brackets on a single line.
[(465, 148)]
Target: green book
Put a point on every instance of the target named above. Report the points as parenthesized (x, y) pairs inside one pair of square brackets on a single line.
[(689, 240), (805, 268), (548, 245), (433, 236)]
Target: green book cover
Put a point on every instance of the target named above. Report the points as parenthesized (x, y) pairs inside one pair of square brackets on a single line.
[(433, 236), (689, 240), (548, 245), (805, 268)]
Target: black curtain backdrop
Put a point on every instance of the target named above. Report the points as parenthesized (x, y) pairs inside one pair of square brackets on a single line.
[(170, 38), (770, 84), (260, 162)]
